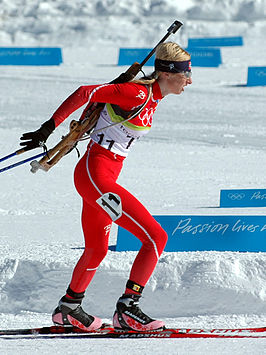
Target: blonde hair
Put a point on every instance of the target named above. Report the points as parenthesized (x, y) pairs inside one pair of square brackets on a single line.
[(171, 51), (165, 51)]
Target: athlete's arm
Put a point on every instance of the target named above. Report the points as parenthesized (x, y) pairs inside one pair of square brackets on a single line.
[(126, 95)]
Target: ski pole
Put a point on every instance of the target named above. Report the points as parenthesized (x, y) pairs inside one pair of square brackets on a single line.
[(17, 152), (19, 162)]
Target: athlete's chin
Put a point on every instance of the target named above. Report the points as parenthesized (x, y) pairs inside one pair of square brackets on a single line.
[(178, 92)]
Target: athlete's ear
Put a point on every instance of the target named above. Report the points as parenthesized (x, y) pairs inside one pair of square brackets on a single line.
[(165, 75)]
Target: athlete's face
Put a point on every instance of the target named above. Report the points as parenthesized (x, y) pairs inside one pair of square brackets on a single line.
[(174, 83)]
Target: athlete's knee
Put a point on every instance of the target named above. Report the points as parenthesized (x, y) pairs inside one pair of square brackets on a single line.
[(158, 239), (95, 255), (100, 254), (161, 240)]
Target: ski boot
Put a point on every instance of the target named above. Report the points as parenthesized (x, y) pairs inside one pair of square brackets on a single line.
[(70, 313), (128, 315)]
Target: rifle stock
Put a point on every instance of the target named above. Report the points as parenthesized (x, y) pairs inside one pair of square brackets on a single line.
[(76, 131)]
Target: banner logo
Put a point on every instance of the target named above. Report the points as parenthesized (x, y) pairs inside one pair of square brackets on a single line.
[(236, 196), (243, 198)]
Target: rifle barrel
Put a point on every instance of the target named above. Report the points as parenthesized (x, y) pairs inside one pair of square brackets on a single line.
[(172, 29)]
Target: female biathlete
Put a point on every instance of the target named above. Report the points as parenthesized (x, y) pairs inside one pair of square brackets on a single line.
[(104, 200)]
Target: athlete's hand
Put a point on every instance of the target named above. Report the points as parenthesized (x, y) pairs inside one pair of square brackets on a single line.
[(37, 138)]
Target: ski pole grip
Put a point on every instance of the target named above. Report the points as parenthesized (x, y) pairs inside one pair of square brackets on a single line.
[(20, 151)]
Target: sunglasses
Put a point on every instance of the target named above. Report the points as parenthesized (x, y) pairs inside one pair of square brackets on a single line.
[(187, 74)]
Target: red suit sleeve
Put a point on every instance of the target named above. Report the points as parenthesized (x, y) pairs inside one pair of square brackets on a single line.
[(126, 95)]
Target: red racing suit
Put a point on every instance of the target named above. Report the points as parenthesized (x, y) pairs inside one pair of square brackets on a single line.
[(97, 172)]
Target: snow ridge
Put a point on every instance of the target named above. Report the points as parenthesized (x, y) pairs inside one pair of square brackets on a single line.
[(192, 283)]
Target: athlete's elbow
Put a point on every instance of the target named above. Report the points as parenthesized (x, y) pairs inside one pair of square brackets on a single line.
[(81, 91)]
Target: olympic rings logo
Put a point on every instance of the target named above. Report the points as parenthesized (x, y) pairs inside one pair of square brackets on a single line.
[(261, 73), (146, 116), (236, 196)]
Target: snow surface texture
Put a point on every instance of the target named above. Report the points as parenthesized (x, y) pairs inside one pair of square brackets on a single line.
[(211, 137)]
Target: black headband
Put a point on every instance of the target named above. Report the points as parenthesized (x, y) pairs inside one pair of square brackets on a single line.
[(172, 66)]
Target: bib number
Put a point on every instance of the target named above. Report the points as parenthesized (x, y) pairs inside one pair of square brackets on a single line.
[(111, 203), (111, 142)]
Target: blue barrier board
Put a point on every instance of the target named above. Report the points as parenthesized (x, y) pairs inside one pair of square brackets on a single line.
[(200, 57), (202, 233), (215, 42), (256, 76), (30, 56), (205, 57), (243, 198), (128, 56)]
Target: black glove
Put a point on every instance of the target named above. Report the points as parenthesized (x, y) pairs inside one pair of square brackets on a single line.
[(38, 138)]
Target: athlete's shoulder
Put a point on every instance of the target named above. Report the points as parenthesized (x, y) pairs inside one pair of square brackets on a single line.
[(137, 90)]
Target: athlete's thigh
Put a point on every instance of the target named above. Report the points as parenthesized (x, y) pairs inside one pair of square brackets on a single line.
[(96, 225)]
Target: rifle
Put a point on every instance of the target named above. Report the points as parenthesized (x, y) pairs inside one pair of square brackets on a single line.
[(78, 129)]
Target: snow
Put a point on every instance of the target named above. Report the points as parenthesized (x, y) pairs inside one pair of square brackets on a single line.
[(209, 138)]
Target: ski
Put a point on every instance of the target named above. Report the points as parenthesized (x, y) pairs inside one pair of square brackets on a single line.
[(108, 332)]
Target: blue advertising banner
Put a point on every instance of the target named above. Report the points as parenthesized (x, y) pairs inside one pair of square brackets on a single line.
[(200, 57), (128, 56), (202, 233), (30, 56), (205, 57), (256, 76), (243, 198), (215, 42)]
